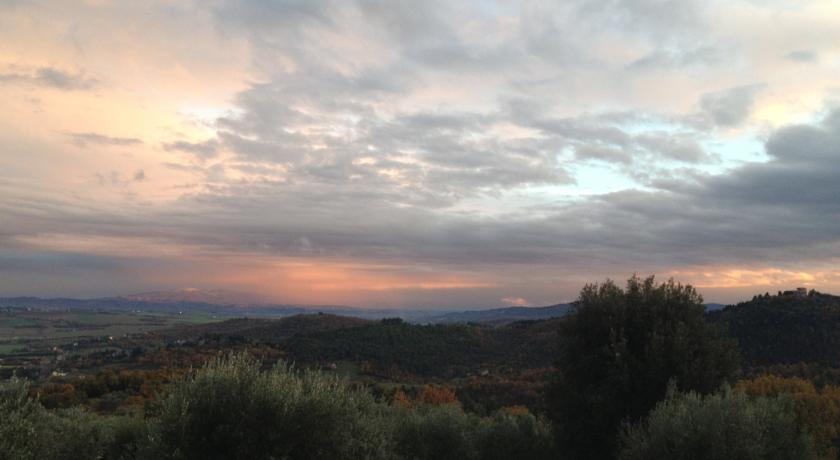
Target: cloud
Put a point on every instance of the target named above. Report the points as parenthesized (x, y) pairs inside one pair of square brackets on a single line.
[(206, 149), (50, 77), (802, 56), (83, 140), (730, 107), (515, 301), (115, 179), (762, 211), (507, 144), (677, 58)]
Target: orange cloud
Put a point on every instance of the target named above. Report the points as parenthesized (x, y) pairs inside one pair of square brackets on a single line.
[(737, 277), (516, 301)]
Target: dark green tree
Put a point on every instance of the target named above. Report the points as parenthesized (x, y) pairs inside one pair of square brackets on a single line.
[(618, 352)]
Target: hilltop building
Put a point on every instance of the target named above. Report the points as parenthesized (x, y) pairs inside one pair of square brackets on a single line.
[(799, 292)]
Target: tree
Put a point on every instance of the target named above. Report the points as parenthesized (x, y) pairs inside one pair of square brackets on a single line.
[(619, 350), (726, 425)]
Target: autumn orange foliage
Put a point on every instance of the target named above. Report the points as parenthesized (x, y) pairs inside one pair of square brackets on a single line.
[(436, 396), (817, 409), (516, 410), (401, 399)]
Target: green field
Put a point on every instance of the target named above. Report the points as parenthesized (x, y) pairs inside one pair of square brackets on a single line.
[(24, 329)]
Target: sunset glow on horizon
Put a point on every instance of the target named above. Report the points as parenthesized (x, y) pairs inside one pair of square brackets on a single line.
[(418, 154)]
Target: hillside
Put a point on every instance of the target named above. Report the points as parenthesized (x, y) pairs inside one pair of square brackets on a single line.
[(264, 330), (389, 346), (785, 329), (499, 315), (440, 350)]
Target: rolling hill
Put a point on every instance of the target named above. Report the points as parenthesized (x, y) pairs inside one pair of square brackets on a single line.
[(785, 328)]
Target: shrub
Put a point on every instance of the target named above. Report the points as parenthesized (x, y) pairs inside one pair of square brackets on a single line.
[(515, 434), (230, 409), (20, 418), (28, 431), (435, 433), (447, 432), (726, 425)]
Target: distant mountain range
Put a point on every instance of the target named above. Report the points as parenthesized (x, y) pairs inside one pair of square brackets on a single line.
[(237, 304), (507, 314), (209, 296), (715, 306)]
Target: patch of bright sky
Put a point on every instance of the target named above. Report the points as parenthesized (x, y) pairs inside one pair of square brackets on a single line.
[(598, 178), (730, 149), (593, 178), (734, 152)]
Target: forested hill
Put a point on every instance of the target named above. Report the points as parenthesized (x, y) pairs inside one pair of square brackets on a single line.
[(431, 349), (500, 315), (263, 329), (387, 346), (785, 328)]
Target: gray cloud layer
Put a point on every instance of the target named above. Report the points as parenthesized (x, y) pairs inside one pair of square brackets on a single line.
[(452, 136)]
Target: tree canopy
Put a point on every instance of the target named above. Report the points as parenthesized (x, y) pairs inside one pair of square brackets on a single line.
[(618, 352)]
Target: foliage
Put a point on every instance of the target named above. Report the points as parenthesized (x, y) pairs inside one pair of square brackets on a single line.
[(447, 432), (436, 396), (435, 433), (727, 425), (816, 409), (28, 431), (820, 375), (232, 410), (785, 329), (514, 433), (486, 394), (19, 421), (396, 349), (619, 350)]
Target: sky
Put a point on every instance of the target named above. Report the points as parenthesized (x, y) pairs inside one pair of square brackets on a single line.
[(410, 154)]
